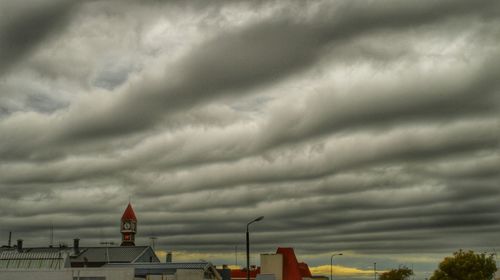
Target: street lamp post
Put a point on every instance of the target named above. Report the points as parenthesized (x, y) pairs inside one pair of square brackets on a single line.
[(248, 245), (331, 264)]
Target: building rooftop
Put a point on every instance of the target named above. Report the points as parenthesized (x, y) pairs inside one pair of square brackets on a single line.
[(96, 255), (179, 265), (292, 269), (143, 269), (13, 259), (124, 254)]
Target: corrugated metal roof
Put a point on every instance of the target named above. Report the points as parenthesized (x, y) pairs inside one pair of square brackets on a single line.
[(14, 254), (126, 254), (40, 249), (181, 265), (110, 254), (143, 269), (12, 259)]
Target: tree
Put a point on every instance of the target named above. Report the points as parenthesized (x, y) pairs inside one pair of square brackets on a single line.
[(466, 266), (402, 273)]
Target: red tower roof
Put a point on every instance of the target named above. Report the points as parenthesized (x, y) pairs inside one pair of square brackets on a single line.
[(129, 214)]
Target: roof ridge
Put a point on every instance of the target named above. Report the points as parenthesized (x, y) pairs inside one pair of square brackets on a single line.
[(142, 253)]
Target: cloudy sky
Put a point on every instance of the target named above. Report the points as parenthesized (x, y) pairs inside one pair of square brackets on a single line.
[(370, 128)]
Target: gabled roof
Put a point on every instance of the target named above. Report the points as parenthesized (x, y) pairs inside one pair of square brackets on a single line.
[(129, 213), (125, 254)]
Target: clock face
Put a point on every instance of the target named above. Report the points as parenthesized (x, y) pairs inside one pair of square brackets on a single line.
[(126, 225)]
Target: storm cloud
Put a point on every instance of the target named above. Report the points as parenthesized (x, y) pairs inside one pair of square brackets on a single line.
[(367, 127)]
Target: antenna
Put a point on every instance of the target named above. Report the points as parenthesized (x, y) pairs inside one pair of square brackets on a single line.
[(153, 241), (152, 238), (51, 242), (236, 255)]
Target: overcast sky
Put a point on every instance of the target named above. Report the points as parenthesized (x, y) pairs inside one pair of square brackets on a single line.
[(370, 128)]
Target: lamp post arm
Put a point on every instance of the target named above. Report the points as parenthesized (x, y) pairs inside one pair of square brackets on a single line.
[(331, 264)]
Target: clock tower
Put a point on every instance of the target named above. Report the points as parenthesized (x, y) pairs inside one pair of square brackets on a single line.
[(128, 226)]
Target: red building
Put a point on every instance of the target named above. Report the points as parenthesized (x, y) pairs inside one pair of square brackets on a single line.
[(292, 269), (241, 274), (283, 265)]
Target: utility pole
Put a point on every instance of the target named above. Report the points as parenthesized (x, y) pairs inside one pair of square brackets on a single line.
[(331, 264)]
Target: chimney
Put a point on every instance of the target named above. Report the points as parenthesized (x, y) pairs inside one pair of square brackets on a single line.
[(10, 238), (76, 246), (169, 257), (19, 245)]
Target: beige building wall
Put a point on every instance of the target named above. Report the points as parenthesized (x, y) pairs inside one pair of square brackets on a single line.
[(181, 274), (35, 275), (158, 277), (272, 264), (189, 274), (68, 274), (111, 273)]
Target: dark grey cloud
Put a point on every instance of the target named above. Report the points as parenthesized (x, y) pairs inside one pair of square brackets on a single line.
[(235, 62), (25, 25), (370, 128)]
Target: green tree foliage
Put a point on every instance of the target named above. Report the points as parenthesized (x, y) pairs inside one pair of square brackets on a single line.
[(402, 273), (466, 266)]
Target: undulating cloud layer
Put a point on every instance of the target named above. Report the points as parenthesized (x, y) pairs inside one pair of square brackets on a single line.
[(365, 127)]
